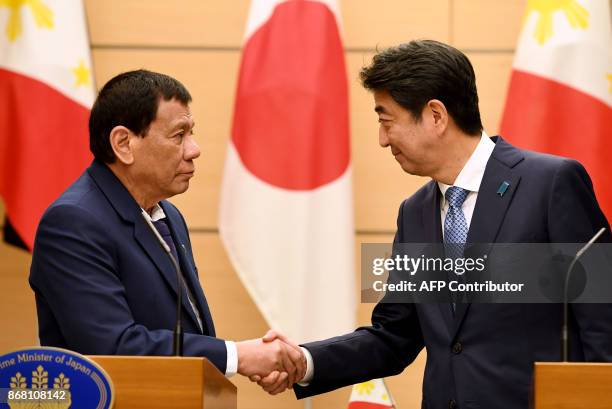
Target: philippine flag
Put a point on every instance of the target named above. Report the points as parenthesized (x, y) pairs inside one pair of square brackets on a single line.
[(560, 95), (46, 91)]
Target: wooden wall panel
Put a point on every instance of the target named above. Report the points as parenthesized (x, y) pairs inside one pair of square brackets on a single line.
[(492, 78), (486, 24), (383, 23), (181, 23), (211, 80), (193, 23), (17, 306)]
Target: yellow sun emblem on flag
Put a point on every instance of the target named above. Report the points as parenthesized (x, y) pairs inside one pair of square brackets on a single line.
[(365, 388), (576, 15), (81, 74), (43, 16)]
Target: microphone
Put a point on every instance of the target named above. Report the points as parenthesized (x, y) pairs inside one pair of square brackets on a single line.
[(177, 346), (565, 331)]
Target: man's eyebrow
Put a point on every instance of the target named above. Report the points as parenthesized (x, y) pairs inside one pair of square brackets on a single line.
[(183, 123)]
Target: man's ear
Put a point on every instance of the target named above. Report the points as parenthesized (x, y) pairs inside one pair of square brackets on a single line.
[(120, 142), (439, 115)]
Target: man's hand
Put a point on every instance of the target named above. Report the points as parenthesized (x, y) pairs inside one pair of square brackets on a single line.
[(275, 382), (271, 358)]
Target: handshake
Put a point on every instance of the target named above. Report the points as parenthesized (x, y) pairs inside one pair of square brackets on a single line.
[(274, 362)]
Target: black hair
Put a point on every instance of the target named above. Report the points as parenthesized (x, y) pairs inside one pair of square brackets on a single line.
[(422, 70), (130, 99)]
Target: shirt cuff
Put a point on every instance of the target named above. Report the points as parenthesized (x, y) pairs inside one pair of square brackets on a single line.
[(309, 368), (232, 359)]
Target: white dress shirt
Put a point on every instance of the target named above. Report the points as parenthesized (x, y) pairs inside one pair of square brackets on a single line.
[(157, 213), (469, 178)]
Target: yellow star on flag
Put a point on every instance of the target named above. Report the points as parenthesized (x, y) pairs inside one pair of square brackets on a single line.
[(610, 79), (365, 388), (576, 15), (43, 16), (82, 74)]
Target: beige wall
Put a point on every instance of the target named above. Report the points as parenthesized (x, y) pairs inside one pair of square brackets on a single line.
[(198, 42)]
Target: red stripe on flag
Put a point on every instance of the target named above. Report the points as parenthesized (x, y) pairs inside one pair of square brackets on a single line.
[(44, 146), (367, 405), (291, 115), (548, 116)]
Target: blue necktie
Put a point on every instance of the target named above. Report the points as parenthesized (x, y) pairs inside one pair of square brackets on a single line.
[(455, 226), (455, 229), (164, 231)]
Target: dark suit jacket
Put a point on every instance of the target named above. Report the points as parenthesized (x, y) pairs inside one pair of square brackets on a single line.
[(102, 283), (482, 357)]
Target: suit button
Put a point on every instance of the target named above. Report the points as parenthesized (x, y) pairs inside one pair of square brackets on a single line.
[(452, 404), (457, 348)]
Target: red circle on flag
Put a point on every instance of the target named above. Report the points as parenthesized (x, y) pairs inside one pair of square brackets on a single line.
[(291, 115)]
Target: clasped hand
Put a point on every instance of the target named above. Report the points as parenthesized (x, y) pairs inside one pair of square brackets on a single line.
[(274, 362)]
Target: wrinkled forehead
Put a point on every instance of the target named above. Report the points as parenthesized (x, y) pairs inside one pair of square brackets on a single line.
[(174, 114)]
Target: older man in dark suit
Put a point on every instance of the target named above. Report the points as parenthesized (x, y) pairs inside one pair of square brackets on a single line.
[(102, 282), (478, 355)]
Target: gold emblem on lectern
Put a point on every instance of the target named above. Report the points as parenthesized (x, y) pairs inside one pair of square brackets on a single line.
[(39, 395), (53, 378)]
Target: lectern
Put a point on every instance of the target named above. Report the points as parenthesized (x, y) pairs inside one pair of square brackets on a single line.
[(572, 385), (145, 382)]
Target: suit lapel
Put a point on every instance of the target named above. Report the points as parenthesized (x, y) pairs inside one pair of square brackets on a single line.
[(491, 206), (433, 234), (127, 208), (198, 293), (190, 275), (431, 215), (145, 237)]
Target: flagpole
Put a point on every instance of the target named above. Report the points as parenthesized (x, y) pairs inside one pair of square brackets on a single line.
[(308, 403), (389, 393)]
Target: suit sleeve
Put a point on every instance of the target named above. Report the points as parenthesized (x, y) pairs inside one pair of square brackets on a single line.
[(385, 348), (575, 217), (74, 276)]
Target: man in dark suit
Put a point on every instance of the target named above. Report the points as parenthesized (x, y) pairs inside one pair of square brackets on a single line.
[(103, 284), (478, 355)]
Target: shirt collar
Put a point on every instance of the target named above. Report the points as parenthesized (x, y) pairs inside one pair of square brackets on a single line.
[(472, 173), (157, 213)]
